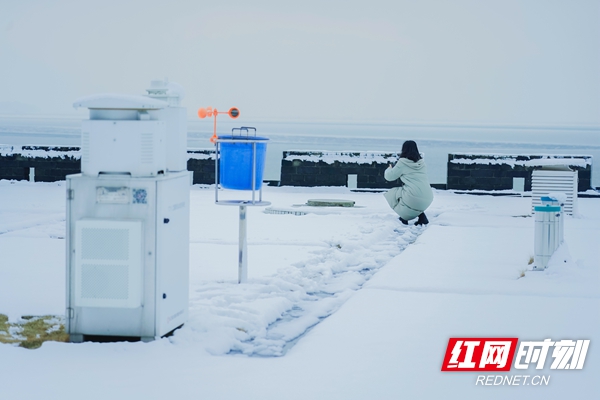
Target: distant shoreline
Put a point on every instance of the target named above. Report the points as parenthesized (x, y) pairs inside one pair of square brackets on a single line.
[(435, 140), (413, 124)]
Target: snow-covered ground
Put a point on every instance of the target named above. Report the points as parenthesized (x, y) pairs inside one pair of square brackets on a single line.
[(341, 303)]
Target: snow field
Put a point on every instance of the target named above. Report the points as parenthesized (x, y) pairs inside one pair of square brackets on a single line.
[(459, 277), (301, 269)]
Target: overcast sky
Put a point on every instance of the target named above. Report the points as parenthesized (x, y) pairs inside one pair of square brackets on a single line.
[(492, 61)]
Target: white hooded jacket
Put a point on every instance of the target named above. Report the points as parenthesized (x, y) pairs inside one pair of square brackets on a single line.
[(415, 195)]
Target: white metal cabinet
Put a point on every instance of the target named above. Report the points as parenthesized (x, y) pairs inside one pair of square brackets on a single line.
[(138, 288)]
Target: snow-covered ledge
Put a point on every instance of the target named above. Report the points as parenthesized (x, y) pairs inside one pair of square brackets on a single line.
[(39, 163), (336, 168), (54, 163), (496, 171)]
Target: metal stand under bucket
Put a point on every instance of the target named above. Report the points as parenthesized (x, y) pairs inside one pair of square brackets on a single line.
[(256, 182)]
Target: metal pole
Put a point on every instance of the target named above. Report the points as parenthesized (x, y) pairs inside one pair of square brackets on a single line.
[(216, 172), (253, 170), (243, 248), (260, 190)]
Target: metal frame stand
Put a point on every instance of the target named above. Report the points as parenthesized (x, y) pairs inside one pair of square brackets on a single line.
[(242, 204)]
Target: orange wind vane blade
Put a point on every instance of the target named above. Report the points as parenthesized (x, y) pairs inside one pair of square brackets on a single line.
[(233, 113)]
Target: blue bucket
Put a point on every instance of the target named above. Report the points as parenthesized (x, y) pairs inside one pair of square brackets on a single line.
[(235, 162)]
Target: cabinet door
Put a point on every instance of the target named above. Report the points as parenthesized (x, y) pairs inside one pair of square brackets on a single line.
[(172, 252)]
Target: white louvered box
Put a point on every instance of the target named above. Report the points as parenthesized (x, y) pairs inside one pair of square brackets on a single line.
[(132, 147), (136, 135), (553, 180)]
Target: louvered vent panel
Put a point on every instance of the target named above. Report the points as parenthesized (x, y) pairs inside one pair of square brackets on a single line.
[(85, 146), (547, 181), (147, 148), (105, 244), (100, 281), (108, 263)]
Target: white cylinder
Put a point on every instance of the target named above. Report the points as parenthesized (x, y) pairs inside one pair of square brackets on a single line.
[(548, 233)]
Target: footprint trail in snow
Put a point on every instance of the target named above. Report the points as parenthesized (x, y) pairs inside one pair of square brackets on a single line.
[(267, 316)]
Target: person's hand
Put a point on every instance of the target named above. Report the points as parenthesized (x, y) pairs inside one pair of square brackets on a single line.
[(389, 166)]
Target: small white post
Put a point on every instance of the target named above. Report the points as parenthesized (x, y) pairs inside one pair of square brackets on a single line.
[(31, 174), (352, 181), (519, 185), (243, 248)]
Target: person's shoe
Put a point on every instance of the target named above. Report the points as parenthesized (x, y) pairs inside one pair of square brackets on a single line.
[(422, 220), (405, 222)]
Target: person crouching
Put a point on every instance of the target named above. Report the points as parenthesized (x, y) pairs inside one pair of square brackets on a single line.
[(412, 199)]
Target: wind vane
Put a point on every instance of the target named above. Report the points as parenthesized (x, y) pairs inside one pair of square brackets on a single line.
[(233, 112)]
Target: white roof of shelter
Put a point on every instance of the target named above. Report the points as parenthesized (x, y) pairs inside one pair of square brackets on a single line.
[(112, 101)]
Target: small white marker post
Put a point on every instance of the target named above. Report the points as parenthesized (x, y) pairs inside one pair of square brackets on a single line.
[(352, 181)]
